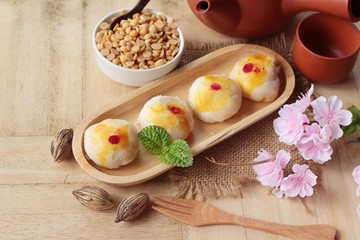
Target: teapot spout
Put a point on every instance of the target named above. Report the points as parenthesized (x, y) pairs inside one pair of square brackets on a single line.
[(217, 15), (345, 9)]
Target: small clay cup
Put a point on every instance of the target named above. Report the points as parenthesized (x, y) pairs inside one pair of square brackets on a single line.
[(325, 48)]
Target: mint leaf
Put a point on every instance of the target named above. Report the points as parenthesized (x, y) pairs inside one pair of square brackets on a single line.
[(154, 139), (353, 127), (178, 153), (350, 129), (355, 124), (355, 112), (157, 142)]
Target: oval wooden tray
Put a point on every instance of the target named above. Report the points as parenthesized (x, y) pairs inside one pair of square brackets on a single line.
[(177, 83)]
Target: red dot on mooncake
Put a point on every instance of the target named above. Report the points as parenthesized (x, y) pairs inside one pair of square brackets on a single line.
[(174, 110), (215, 86), (248, 67), (114, 139)]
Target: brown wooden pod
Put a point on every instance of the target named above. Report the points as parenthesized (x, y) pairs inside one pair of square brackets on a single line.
[(131, 207)]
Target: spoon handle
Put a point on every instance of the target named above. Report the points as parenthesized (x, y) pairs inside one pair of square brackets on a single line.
[(136, 9), (139, 6)]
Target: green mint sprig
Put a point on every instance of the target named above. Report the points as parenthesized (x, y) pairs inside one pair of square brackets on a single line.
[(154, 139), (355, 124), (157, 142)]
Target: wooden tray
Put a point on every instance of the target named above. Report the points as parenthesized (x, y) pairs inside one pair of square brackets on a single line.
[(177, 83)]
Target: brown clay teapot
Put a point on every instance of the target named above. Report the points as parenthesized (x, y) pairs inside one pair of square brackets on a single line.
[(258, 18)]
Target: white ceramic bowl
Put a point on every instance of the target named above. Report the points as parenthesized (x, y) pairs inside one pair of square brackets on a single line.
[(133, 77)]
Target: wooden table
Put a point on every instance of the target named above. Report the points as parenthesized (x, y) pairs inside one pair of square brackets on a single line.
[(49, 81)]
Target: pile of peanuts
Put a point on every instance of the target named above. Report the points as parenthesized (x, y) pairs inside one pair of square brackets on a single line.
[(146, 40)]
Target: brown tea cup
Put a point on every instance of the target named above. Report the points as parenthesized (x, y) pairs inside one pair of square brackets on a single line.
[(325, 48)]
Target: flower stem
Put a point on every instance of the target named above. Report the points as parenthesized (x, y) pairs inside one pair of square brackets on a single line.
[(355, 140), (212, 160)]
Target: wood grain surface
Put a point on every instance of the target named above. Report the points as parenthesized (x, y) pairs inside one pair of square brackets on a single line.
[(49, 81)]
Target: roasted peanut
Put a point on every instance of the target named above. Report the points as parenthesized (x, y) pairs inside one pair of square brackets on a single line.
[(144, 41)]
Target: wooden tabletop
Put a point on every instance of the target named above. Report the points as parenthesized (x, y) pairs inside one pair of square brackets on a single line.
[(49, 81)]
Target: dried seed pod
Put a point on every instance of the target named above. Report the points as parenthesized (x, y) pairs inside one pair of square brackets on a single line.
[(131, 207), (61, 145), (94, 198)]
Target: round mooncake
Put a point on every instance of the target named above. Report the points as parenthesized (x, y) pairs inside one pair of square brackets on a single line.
[(170, 113), (215, 98), (257, 76), (111, 143)]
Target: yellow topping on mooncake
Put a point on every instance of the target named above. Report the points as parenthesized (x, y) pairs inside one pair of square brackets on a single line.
[(169, 112), (213, 94), (257, 76), (214, 98), (170, 115), (113, 138), (254, 72), (111, 143)]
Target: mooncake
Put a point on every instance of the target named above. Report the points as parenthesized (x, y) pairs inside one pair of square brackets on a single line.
[(111, 143), (257, 75), (214, 98), (171, 113)]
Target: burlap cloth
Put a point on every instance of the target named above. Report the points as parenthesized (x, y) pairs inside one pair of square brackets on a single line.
[(208, 180)]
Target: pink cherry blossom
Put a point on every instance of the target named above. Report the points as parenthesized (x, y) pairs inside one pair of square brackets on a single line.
[(305, 99), (330, 112), (290, 125), (271, 173), (300, 183), (315, 143), (356, 175)]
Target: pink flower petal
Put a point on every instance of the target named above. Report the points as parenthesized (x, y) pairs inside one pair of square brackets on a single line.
[(334, 103), (272, 179), (263, 155), (358, 190), (330, 112), (282, 158), (270, 173), (315, 143), (290, 186), (300, 169), (356, 174), (336, 131), (290, 125), (311, 177), (305, 99), (304, 102), (264, 168), (306, 190), (319, 106), (300, 183), (346, 117)]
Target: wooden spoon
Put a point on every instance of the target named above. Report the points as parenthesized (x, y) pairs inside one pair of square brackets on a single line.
[(137, 9)]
